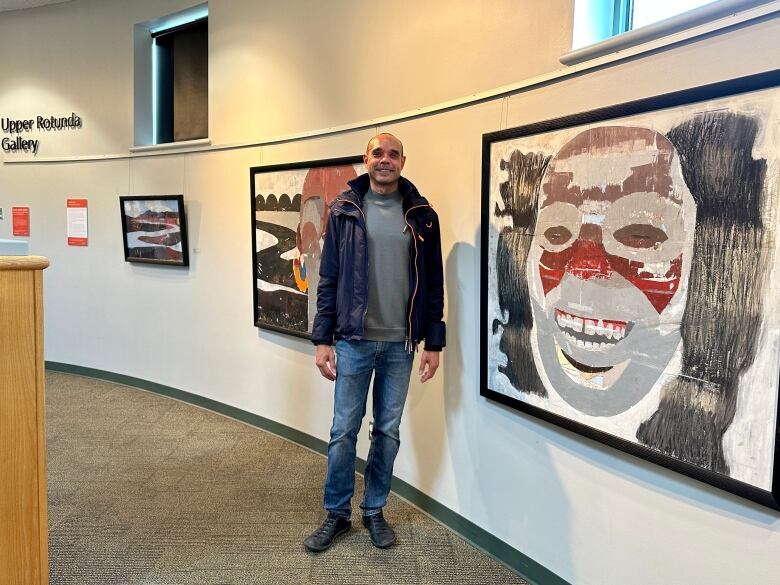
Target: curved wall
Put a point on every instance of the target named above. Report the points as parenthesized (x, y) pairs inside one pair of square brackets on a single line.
[(588, 513)]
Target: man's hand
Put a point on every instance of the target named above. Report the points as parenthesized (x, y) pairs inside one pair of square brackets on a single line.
[(428, 365), (325, 358)]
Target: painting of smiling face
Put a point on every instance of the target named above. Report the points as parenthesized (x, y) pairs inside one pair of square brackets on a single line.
[(607, 266)]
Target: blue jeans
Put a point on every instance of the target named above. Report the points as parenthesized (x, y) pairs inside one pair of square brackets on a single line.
[(391, 365)]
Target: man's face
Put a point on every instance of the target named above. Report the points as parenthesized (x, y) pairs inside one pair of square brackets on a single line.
[(384, 160), (610, 251)]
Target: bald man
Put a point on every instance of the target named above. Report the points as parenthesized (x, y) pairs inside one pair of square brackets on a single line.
[(380, 294)]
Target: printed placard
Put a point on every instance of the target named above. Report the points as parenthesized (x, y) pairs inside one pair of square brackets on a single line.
[(21, 221), (78, 233)]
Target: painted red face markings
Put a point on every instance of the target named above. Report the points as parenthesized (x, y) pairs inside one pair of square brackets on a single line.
[(588, 260), (640, 160)]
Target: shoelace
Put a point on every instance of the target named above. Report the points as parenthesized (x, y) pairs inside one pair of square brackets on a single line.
[(327, 525), (377, 523)]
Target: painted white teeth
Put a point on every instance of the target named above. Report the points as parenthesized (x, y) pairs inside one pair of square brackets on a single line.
[(587, 344), (569, 323), (659, 270)]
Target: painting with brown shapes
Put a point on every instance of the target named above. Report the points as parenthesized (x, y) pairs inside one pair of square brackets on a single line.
[(628, 267), (289, 206)]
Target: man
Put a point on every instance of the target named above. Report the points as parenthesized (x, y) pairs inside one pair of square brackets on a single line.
[(381, 292)]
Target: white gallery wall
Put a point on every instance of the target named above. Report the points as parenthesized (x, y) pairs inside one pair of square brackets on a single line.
[(588, 513)]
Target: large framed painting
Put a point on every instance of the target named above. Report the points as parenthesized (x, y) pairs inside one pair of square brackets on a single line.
[(630, 277), (154, 229), (289, 208)]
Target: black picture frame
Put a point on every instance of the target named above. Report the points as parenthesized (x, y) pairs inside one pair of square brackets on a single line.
[(171, 248), (492, 328), (282, 306)]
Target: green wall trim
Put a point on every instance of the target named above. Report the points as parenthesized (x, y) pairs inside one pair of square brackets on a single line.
[(521, 564)]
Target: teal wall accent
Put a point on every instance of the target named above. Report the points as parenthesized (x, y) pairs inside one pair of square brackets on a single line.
[(521, 564)]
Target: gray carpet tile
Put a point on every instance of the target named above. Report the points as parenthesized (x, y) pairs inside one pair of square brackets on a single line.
[(145, 490)]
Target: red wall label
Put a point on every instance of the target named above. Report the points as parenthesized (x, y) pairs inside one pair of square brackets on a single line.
[(21, 221)]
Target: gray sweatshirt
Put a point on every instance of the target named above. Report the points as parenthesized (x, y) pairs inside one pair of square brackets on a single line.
[(388, 267)]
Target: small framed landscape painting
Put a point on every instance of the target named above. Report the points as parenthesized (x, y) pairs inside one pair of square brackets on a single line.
[(154, 229)]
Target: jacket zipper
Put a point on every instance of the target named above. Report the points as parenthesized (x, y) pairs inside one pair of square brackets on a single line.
[(409, 342)]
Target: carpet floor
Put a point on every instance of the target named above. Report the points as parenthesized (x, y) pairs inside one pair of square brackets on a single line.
[(147, 490)]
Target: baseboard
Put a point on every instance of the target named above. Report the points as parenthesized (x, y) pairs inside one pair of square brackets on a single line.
[(497, 549)]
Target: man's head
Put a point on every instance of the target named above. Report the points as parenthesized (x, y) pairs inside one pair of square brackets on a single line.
[(610, 250), (384, 159)]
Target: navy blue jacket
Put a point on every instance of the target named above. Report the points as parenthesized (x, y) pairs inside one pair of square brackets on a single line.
[(342, 295)]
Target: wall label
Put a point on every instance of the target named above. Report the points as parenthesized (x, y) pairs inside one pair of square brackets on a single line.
[(21, 221), (18, 143), (78, 231)]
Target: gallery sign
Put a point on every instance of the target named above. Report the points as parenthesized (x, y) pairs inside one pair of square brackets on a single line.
[(17, 129)]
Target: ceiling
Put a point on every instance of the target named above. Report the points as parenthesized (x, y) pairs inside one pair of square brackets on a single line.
[(22, 4)]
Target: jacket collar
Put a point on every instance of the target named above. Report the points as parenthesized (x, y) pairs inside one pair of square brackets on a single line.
[(359, 187)]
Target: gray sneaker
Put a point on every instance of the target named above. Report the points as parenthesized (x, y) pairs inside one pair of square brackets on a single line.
[(323, 537)]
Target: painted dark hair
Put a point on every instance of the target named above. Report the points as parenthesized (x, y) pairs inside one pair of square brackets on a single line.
[(721, 323), (520, 194)]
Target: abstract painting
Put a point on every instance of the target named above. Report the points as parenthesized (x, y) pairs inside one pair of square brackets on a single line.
[(629, 275), (290, 205), (154, 229)]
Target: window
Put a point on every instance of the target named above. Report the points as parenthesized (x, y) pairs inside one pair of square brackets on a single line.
[(596, 20), (605, 26), (644, 12), (181, 77), (171, 78)]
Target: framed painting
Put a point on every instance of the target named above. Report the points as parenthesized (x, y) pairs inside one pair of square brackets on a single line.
[(154, 229), (289, 210), (630, 271)]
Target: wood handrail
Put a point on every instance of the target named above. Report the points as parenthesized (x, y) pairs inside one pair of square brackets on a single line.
[(23, 262)]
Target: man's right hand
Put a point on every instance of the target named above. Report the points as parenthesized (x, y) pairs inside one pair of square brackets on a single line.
[(325, 358)]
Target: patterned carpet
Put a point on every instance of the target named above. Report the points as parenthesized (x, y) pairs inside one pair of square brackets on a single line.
[(147, 490)]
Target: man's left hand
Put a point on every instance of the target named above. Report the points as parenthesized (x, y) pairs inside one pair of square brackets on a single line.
[(428, 365)]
